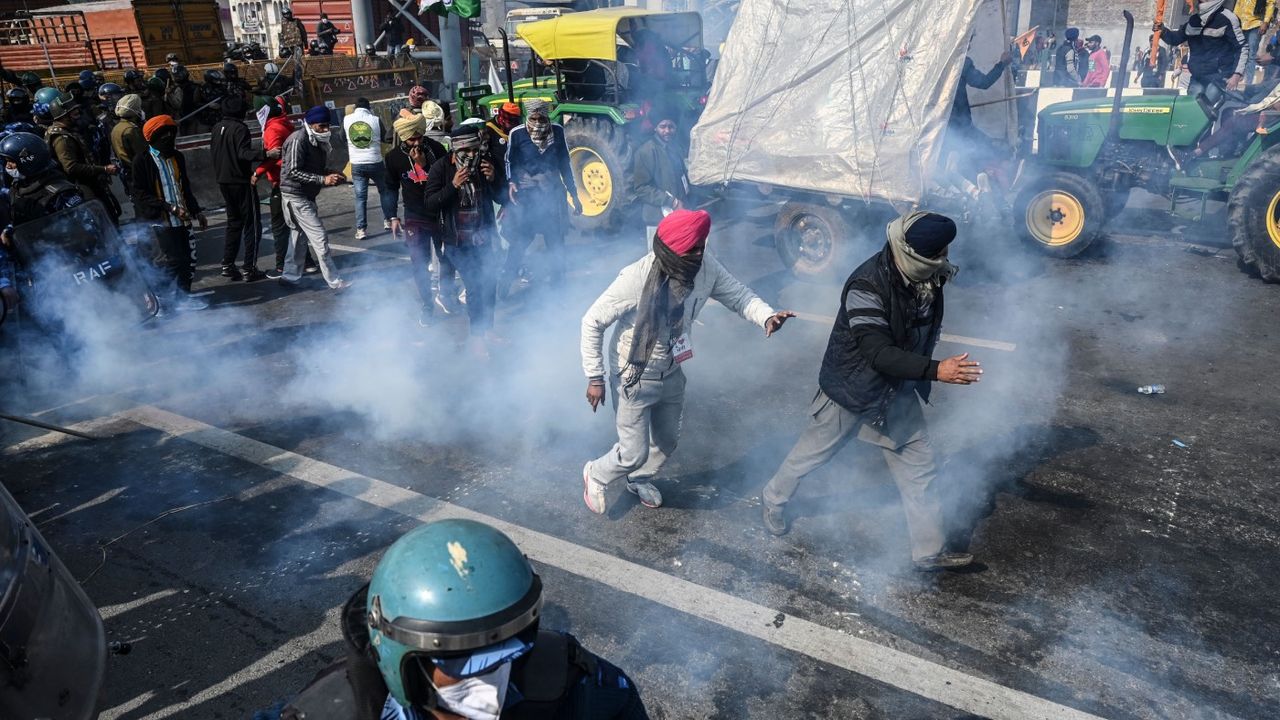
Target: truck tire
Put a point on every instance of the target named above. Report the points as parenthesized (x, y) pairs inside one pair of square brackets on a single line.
[(1253, 216), (1060, 213), (601, 160), (812, 240)]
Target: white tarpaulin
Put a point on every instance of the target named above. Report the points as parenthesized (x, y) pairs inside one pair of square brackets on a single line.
[(849, 97)]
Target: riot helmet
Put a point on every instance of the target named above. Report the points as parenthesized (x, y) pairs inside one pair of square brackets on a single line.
[(164, 74), (47, 95), (110, 93), (214, 78), (287, 13), (454, 594), (30, 81), (156, 85), (87, 81), (230, 70), (271, 69), (28, 151), (132, 76), (22, 127), (18, 98), (62, 106), (181, 74), (74, 89)]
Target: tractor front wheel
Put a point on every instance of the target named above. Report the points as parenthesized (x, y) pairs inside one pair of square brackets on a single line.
[(1060, 213), (1253, 216), (600, 156)]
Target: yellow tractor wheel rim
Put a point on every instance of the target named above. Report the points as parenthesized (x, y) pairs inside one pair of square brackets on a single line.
[(1055, 218), (595, 182), (1273, 222)]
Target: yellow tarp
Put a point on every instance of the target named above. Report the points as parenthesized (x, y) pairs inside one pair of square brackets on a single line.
[(593, 35)]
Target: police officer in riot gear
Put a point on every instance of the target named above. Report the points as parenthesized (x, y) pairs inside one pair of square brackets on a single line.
[(448, 628), (38, 187), (17, 106), (72, 151)]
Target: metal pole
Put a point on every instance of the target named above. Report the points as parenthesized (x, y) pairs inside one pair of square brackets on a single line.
[(362, 23), (451, 49), (46, 426)]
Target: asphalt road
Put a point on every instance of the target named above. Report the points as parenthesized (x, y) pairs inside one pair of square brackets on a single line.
[(1127, 543)]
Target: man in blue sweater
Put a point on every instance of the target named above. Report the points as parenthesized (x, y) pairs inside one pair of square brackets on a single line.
[(538, 176)]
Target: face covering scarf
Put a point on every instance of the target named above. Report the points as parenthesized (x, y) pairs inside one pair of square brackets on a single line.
[(322, 138), (668, 285), (539, 132)]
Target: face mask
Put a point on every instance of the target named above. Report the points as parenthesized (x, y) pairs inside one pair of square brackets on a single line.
[(14, 173), (480, 697), (166, 146), (322, 138), (465, 159)]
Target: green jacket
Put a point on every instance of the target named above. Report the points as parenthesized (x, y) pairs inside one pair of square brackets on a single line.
[(127, 141), (72, 154)]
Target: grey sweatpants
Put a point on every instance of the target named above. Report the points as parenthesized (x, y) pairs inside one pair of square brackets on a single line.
[(905, 443), (303, 218), (648, 417)]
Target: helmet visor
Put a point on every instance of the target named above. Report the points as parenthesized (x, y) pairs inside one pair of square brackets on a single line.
[(483, 660)]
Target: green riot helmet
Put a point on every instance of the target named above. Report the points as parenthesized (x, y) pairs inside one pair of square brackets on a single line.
[(30, 81), (457, 594), (62, 105)]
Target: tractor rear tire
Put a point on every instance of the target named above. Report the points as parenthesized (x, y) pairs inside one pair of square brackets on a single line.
[(813, 240), (1253, 216), (1060, 213), (601, 158)]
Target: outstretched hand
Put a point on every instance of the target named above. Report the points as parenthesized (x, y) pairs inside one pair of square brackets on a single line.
[(775, 323), (959, 370)]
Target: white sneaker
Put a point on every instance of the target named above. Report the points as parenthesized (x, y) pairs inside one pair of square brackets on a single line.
[(386, 224), (593, 493), (361, 234), (649, 495)]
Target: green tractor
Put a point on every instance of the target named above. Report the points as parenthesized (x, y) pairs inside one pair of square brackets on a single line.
[(597, 71), (1092, 153)]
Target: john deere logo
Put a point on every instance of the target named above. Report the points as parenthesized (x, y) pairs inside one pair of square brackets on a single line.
[(360, 135)]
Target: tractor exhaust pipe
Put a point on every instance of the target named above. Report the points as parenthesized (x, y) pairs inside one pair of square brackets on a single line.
[(506, 60), (1122, 77)]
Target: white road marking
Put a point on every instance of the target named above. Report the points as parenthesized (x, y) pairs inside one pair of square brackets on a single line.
[(128, 707), (927, 679), (946, 337), (111, 611), (104, 497), (370, 250)]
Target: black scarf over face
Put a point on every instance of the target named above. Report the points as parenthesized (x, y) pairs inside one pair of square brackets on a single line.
[(661, 308)]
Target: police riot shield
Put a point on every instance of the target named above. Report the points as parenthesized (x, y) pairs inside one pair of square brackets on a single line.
[(76, 267), (53, 650)]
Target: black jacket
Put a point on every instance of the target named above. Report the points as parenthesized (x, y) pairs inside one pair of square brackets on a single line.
[(148, 198), (971, 76), (443, 197), (532, 170), (870, 355), (1066, 66), (658, 174), (233, 153), (558, 680), (414, 190), (302, 162), (1218, 48)]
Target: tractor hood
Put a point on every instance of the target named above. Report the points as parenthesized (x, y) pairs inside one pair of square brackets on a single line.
[(1072, 134), (1146, 104)]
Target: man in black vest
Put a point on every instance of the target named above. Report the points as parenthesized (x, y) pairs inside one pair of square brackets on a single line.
[(879, 358)]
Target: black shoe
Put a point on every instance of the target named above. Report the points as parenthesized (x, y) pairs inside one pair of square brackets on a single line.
[(775, 521), (943, 561), (275, 274), (230, 271), (254, 275)]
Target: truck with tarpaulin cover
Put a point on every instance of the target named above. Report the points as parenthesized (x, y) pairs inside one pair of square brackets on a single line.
[(835, 113), (598, 90)]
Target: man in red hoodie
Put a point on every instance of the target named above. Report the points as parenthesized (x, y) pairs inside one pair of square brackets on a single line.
[(274, 133)]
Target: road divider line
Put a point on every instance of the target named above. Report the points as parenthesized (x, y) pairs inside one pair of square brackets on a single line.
[(927, 679), (370, 250), (946, 337)]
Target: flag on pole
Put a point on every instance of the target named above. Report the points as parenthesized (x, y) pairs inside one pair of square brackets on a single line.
[(461, 8), (1025, 41), (495, 79)]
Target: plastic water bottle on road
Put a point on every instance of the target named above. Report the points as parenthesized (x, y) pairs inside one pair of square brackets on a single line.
[(1151, 389)]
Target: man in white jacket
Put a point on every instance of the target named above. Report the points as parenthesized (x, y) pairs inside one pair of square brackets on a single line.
[(652, 305)]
